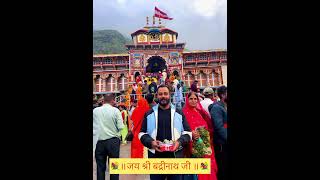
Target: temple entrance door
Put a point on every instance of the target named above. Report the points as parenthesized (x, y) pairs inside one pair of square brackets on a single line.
[(156, 64)]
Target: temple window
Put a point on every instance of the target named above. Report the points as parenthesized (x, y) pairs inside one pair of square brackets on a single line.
[(96, 61), (224, 56), (189, 58), (108, 61), (104, 61), (203, 57), (215, 56), (120, 61)]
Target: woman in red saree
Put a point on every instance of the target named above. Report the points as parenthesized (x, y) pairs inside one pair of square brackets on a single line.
[(198, 117), (137, 117), (139, 92)]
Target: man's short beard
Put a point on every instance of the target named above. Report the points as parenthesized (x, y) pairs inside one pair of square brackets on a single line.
[(164, 104)]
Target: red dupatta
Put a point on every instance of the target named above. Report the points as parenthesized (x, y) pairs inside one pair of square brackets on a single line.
[(137, 118), (197, 117)]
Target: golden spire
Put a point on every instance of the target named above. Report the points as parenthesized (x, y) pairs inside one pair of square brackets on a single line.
[(154, 19)]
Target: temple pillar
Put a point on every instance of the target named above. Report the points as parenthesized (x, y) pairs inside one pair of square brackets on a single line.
[(94, 82), (104, 83), (208, 81), (116, 83), (200, 78), (219, 76), (224, 74), (100, 84)]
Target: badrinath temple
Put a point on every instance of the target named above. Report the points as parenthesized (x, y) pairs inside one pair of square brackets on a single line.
[(154, 49)]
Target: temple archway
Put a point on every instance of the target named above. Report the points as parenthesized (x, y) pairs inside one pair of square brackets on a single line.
[(110, 86), (122, 82), (202, 78), (189, 78), (156, 64), (98, 83)]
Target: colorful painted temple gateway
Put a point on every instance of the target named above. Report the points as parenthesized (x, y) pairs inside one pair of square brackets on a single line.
[(153, 49)]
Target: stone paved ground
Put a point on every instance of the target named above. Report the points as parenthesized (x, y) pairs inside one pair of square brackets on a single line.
[(124, 153)]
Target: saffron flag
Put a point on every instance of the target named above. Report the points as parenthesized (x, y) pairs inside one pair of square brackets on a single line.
[(160, 14)]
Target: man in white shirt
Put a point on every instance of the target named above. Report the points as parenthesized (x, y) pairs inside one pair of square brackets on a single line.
[(164, 76), (175, 83), (208, 94), (107, 124)]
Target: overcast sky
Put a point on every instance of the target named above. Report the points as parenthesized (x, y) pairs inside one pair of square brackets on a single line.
[(202, 24)]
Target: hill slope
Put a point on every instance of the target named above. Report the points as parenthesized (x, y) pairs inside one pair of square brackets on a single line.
[(109, 42)]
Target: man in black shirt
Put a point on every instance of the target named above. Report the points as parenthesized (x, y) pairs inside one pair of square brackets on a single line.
[(150, 99), (194, 86), (219, 118), (156, 127), (153, 87)]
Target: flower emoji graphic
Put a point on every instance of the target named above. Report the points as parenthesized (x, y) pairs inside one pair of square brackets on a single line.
[(204, 166), (114, 165)]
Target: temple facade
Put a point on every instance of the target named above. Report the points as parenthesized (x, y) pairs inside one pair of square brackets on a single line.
[(153, 49)]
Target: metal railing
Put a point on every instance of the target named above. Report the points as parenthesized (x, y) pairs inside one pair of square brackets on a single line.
[(120, 98)]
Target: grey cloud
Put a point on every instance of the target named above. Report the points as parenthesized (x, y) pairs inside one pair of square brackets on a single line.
[(197, 31)]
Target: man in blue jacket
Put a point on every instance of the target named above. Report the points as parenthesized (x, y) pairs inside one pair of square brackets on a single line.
[(218, 112), (162, 122)]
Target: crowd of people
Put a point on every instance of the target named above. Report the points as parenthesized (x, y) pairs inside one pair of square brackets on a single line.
[(168, 111), (150, 83)]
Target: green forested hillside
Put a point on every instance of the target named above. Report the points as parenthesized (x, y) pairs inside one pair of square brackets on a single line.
[(109, 42)]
